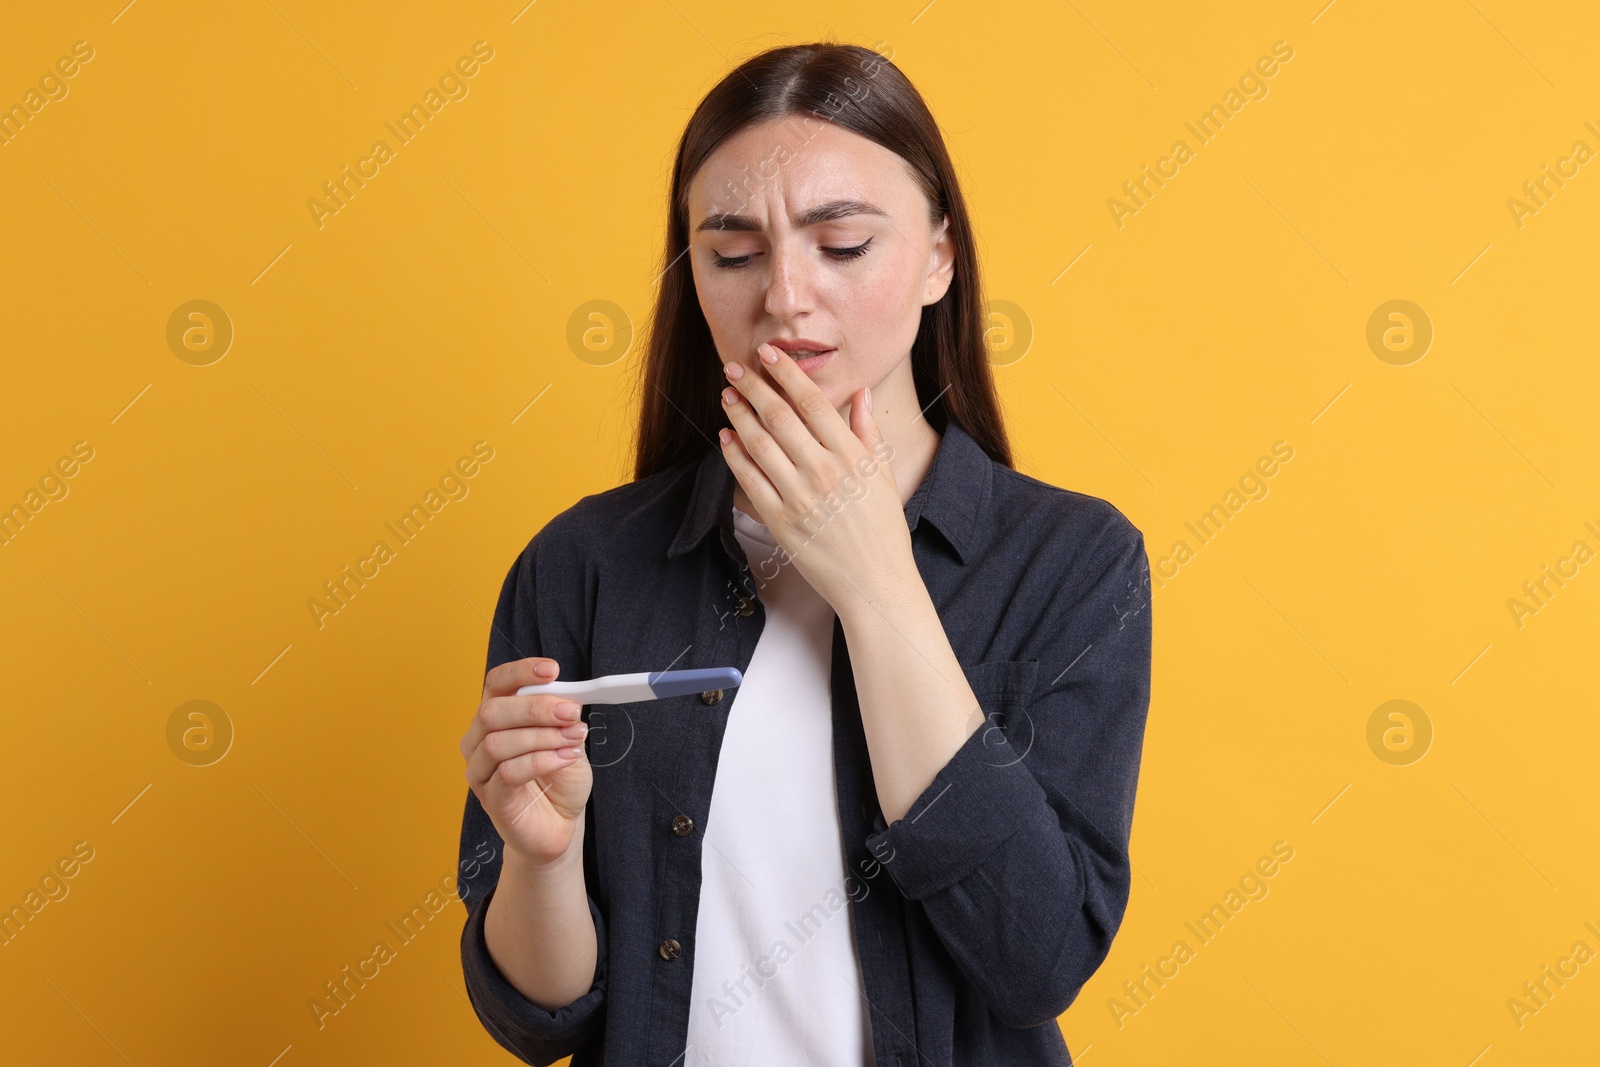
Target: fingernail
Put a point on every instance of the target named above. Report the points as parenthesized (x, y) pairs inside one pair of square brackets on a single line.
[(733, 371), (768, 356), (730, 395), (869, 398), (724, 436), (575, 731), (567, 711), (546, 669), (569, 753)]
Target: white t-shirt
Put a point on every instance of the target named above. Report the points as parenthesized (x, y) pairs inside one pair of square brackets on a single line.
[(776, 977)]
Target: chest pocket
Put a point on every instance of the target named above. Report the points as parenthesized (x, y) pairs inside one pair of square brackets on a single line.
[(1002, 686)]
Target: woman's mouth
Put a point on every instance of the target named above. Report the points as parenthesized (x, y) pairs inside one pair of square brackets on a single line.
[(811, 362), (808, 355)]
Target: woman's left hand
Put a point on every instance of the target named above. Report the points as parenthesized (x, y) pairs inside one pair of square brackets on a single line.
[(822, 486)]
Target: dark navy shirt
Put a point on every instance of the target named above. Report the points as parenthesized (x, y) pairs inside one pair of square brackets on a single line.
[(980, 914)]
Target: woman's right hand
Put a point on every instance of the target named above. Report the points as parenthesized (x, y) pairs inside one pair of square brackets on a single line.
[(526, 764)]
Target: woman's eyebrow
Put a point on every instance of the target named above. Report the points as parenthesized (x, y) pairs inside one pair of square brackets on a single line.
[(833, 209)]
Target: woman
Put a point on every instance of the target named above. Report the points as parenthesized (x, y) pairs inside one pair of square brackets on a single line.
[(909, 846)]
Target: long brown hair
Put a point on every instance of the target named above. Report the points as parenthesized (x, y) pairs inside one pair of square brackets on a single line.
[(861, 91)]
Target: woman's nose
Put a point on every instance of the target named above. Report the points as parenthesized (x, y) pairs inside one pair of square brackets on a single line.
[(789, 288)]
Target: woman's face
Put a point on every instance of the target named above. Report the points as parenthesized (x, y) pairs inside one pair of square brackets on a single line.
[(804, 230)]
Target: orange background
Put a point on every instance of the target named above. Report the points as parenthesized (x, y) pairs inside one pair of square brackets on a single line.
[(1151, 363)]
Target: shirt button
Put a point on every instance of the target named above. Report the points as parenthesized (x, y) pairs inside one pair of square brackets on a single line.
[(747, 606), (711, 696), (670, 949), (681, 825)]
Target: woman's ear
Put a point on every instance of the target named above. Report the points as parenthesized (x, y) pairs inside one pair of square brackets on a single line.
[(941, 264)]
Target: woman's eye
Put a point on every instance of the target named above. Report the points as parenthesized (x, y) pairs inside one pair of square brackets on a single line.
[(849, 253), (736, 262)]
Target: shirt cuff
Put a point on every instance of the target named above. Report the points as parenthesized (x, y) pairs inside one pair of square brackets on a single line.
[(520, 1025), (981, 797)]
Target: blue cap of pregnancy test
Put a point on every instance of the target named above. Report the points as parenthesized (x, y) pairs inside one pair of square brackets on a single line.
[(679, 683)]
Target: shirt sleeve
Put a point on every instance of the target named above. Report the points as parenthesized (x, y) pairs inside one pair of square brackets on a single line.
[(528, 625), (1018, 849)]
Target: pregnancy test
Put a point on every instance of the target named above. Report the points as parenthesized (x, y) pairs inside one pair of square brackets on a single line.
[(626, 688)]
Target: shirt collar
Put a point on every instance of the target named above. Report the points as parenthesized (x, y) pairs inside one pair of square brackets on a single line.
[(953, 494)]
